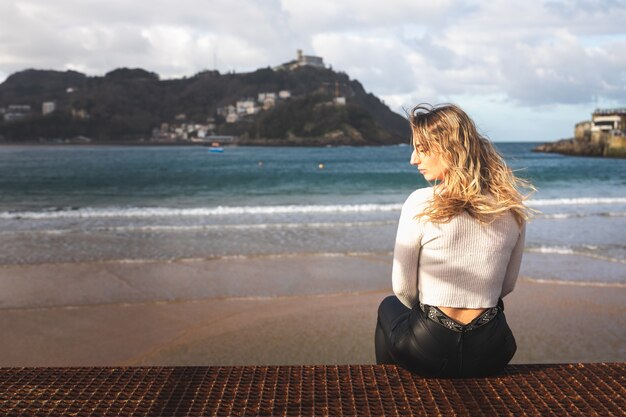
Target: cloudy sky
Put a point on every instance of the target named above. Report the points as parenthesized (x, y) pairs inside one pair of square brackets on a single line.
[(525, 70)]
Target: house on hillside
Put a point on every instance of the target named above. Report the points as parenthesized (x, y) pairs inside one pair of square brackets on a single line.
[(48, 107), (16, 112), (246, 106)]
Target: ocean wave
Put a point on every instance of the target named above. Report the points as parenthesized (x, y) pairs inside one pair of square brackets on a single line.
[(559, 250), (147, 212), (582, 201), (588, 251), (280, 255), (613, 214), (208, 227), (564, 216), (141, 212), (576, 283)]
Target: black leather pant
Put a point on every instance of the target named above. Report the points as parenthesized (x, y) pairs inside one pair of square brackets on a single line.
[(408, 338)]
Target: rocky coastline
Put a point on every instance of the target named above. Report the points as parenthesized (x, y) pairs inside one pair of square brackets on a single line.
[(574, 147)]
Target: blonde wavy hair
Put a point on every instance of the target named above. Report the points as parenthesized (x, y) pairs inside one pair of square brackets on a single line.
[(476, 179)]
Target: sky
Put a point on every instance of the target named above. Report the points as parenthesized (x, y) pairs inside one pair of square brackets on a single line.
[(524, 70)]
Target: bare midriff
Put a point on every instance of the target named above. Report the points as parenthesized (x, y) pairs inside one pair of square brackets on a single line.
[(462, 315)]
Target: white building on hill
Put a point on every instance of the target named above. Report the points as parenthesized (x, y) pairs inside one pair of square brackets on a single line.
[(302, 61)]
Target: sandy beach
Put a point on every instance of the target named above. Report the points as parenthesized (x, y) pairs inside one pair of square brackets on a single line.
[(268, 310)]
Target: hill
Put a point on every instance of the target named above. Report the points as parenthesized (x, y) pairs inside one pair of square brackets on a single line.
[(305, 106)]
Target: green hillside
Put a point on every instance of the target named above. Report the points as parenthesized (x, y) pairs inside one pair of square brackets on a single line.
[(130, 105)]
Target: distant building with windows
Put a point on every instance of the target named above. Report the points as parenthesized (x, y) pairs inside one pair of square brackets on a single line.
[(604, 124), (611, 121), (606, 130)]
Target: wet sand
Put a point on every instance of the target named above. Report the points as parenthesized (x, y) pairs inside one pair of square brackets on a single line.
[(279, 311)]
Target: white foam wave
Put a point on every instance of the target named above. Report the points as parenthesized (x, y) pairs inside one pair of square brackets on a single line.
[(136, 212), (564, 216), (614, 214), (576, 283), (209, 227), (576, 201), (284, 255), (559, 250), (565, 250), (560, 216), (147, 212)]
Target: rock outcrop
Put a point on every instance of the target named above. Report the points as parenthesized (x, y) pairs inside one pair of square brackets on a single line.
[(611, 147)]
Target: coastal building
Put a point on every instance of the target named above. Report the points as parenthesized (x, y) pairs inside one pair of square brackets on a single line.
[(201, 133), (608, 122), (604, 124), (284, 94), (340, 101), (582, 131), (604, 134), (48, 107)]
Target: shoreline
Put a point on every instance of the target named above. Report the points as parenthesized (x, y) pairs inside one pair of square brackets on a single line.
[(302, 310), (207, 145)]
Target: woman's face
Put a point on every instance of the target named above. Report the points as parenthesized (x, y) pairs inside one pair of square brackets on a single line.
[(430, 164)]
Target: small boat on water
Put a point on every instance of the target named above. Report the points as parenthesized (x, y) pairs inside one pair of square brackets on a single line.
[(216, 148)]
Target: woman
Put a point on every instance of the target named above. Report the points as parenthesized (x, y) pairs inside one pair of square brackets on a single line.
[(458, 251)]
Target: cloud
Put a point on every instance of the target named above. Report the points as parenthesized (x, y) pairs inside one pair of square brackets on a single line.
[(539, 56), (373, 58), (350, 15), (536, 53), (166, 37)]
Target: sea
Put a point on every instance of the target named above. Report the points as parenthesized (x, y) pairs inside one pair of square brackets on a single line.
[(64, 204)]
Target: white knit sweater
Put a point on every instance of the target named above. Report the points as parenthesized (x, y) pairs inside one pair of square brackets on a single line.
[(462, 263)]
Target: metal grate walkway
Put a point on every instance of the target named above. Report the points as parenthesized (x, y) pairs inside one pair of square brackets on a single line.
[(350, 390)]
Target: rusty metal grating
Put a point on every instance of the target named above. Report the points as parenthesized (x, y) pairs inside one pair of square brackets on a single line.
[(349, 390)]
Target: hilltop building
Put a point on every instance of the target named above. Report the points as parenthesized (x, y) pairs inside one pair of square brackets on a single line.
[(302, 61)]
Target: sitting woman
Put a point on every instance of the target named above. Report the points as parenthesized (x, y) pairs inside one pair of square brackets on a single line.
[(458, 251)]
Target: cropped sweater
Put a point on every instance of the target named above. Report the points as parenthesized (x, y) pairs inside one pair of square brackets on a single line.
[(462, 263)]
